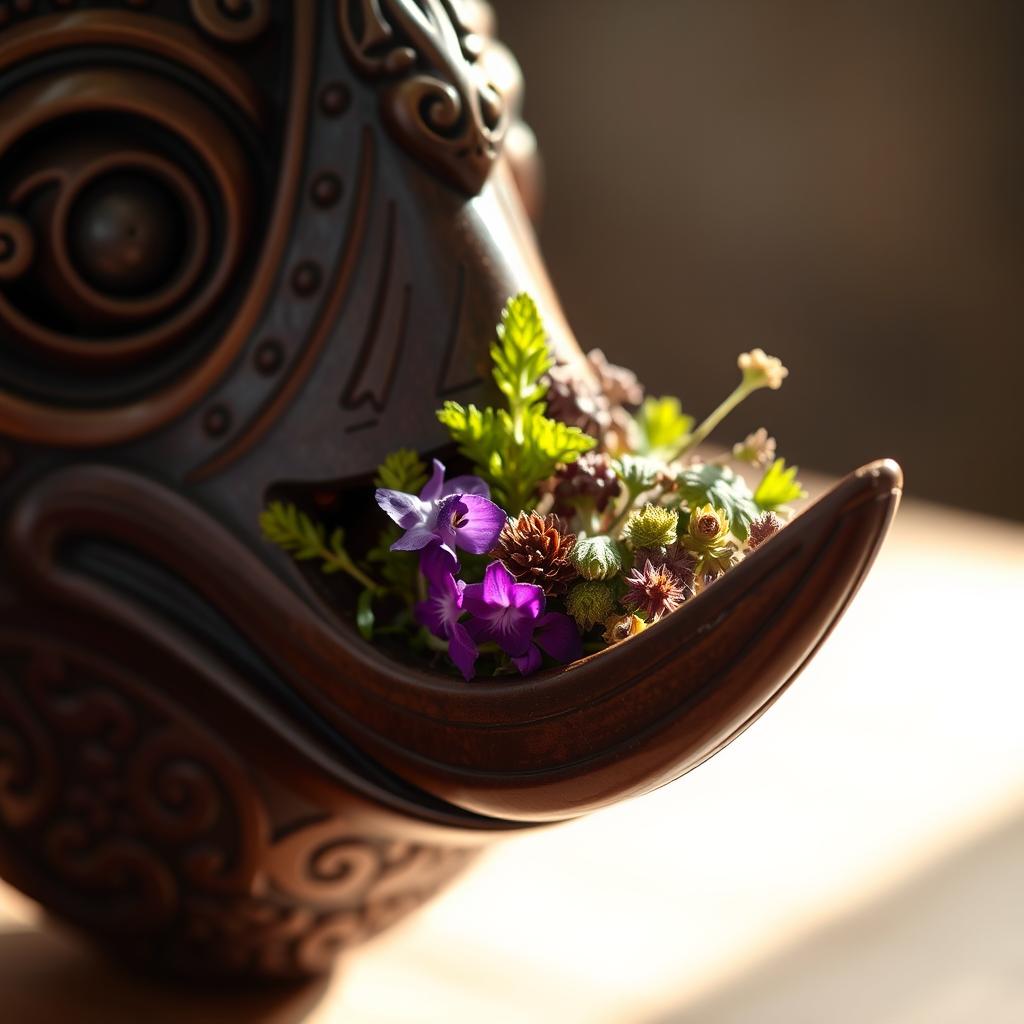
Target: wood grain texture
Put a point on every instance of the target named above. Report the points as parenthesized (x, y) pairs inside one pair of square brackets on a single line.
[(201, 763)]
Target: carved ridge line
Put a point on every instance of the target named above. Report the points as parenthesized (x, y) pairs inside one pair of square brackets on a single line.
[(444, 387), (329, 313), (358, 392)]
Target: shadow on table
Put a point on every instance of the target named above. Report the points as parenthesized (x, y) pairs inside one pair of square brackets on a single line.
[(47, 978), (948, 948)]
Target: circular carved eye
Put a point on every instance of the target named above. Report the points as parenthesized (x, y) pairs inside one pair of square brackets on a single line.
[(125, 234), (131, 207), (137, 197)]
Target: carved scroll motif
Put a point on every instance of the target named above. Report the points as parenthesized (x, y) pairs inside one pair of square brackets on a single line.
[(152, 833), (439, 99)]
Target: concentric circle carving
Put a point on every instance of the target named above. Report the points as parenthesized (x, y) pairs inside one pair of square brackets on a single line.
[(135, 211), (136, 203)]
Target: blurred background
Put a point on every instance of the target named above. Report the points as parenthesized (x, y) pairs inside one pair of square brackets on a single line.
[(837, 182)]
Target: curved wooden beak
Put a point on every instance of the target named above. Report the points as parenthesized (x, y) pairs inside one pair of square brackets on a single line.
[(546, 748), (635, 717)]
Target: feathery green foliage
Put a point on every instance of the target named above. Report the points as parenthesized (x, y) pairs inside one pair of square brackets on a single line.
[(402, 470), (779, 486), (521, 355), (287, 526), (720, 487), (515, 449)]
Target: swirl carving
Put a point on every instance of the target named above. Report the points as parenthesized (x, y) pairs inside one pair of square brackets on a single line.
[(232, 21), (439, 95), (134, 209), (124, 813)]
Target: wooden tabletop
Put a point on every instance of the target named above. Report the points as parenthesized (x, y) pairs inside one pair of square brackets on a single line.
[(856, 856)]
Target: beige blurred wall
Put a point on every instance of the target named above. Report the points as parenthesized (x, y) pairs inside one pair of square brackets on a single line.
[(839, 183)]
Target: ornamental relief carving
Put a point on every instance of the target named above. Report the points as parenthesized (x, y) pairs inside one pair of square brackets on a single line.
[(438, 95), (148, 826)]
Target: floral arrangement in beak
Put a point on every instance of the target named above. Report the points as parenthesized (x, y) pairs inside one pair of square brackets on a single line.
[(589, 514)]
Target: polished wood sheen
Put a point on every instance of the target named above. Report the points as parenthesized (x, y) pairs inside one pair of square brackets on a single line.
[(249, 253)]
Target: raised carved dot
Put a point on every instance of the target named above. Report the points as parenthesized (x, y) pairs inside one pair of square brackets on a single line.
[(326, 189), (306, 278), (268, 357), (335, 99), (126, 234), (217, 421)]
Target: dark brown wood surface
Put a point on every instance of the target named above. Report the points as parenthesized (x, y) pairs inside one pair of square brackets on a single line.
[(253, 251)]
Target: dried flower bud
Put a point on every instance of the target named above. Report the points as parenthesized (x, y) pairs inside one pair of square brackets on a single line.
[(708, 540), (675, 557), (590, 603), (763, 528), (652, 526), (537, 549), (758, 449), (619, 628), (709, 526), (597, 558), (761, 370), (590, 479), (619, 385), (653, 591)]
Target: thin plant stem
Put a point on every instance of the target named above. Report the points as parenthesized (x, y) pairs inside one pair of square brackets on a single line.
[(346, 565), (701, 433)]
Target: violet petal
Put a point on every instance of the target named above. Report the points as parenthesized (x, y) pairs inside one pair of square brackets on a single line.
[(559, 636), (477, 523), (529, 598), (467, 485), (462, 651), (529, 662), (434, 488), (404, 509), (494, 592), (438, 562), (415, 539)]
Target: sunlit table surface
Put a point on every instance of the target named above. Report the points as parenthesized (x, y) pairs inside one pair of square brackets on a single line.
[(857, 856)]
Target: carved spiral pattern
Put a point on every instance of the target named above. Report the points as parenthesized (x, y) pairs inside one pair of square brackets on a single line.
[(232, 21), (442, 97), (127, 206), (124, 813)]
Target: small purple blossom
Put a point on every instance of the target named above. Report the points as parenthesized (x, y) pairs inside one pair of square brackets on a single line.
[(511, 615), (457, 513), (441, 611)]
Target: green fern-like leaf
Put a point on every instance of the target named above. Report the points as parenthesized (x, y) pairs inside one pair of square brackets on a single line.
[(292, 530), (521, 355), (513, 465), (779, 486), (402, 470)]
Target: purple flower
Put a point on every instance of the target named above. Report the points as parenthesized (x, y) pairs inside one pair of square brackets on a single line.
[(512, 615), (456, 513), (442, 609)]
